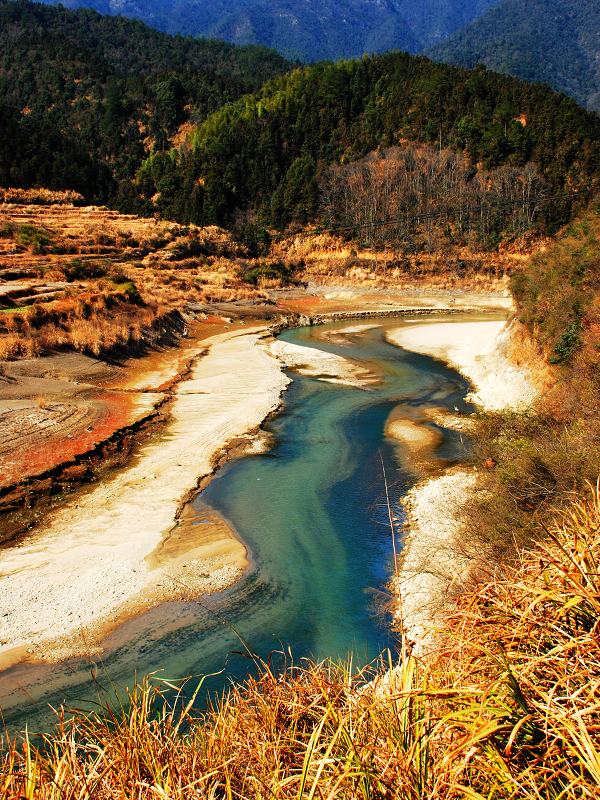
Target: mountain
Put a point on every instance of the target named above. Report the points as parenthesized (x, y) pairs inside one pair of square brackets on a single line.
[(84, 98), (434, 20), (308, 30), (552, 41), (150, 123), (264, 156)]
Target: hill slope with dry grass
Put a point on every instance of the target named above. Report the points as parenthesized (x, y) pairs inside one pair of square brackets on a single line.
[(90, 279)]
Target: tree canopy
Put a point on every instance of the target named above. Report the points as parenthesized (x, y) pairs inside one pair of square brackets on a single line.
[(264, 152), (84, 98)]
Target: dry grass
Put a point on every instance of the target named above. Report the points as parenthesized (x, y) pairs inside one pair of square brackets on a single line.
[(92, 322), (90, 279), (330, 259), (42, 196), (509, 710), (533, 633)]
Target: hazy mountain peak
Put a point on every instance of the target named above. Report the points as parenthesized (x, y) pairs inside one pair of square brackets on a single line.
[(308, 30), (551, 41)]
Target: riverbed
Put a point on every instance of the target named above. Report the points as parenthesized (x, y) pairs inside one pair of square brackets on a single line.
[(311, 512)]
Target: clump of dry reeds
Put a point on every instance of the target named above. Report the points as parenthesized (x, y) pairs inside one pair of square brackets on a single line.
[(508, 709), (92, 322), (534, 631)]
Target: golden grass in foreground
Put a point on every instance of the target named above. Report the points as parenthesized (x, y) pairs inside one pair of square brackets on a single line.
[(508, 710)]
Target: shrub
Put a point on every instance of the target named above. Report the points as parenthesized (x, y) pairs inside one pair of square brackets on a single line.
[(568, 343), (268, 271), (79, 270), (131, 292), (33, 238), (555, 292)]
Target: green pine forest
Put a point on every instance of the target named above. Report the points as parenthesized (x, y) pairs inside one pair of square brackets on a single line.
[(265, 153), (554, 41), (84, 98)]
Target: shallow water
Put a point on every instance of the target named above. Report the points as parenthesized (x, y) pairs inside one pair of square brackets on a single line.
[(313, 516)]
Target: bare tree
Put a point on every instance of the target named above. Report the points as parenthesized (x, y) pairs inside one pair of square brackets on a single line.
[(424, 197)]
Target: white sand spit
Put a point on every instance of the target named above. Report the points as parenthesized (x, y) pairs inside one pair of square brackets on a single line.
[(320, 364), (341, 335), (479, 351), (91, 559), (433, 560), (352, 330)]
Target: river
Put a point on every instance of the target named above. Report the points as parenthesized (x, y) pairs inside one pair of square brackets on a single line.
[(311, 511)]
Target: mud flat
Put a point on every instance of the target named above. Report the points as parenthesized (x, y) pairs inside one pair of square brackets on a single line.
[(89, 567)]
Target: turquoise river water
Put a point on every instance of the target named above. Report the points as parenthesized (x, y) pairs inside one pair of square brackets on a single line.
[(313, 516)]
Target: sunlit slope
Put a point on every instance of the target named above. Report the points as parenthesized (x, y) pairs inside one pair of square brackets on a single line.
[(268, 152)]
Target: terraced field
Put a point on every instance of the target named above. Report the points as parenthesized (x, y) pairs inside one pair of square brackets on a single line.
[(90, 279)]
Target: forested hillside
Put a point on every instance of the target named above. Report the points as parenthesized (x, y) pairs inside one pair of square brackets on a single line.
[(309, 30), (152, 123), (84, 98), (548, 41), (269, 153), (553, 41)]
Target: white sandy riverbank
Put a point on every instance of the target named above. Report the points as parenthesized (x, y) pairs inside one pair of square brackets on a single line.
[(321, 364), (92, 558), (435, 560), (478, 350)]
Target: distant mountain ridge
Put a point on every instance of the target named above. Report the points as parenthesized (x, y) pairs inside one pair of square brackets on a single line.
[(550, 41), (308, 30), (547, 41)]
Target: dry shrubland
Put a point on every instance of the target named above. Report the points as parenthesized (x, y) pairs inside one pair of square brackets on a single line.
[(325, 258), (428, 197), (40, 196), (542, 455)]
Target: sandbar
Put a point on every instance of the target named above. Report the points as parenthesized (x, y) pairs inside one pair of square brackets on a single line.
[(88, 562), (478, 350)]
